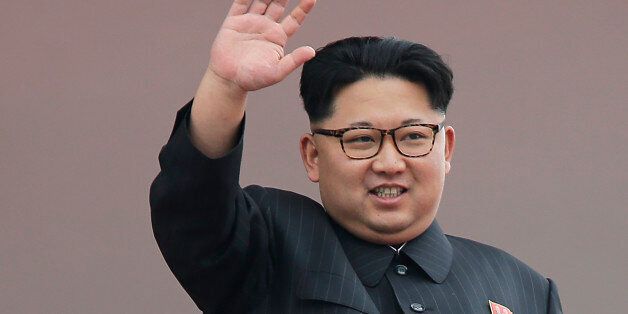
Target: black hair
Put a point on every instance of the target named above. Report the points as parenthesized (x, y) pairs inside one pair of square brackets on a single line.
[(349, 60)]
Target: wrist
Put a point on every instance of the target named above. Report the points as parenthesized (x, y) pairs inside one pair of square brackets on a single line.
[(219, 96), (222, 85)]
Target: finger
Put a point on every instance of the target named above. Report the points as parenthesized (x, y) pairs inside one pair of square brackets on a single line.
[(259, 6), (239, 7), (292, 22), (275, 9), (295, 59)]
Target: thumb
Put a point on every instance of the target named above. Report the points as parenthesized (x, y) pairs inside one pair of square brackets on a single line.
[(295, 59)]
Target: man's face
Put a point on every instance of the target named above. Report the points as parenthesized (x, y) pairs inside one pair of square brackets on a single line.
[(347, 186)]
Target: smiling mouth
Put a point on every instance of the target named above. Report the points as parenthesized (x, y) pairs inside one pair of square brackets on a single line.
[(387, 192)]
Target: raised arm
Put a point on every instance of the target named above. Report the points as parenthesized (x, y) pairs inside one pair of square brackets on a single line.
[(246, 55), (212, 233)]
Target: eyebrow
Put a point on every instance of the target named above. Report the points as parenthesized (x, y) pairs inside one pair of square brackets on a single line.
[(369, 124), (361, 123), (411, 121)]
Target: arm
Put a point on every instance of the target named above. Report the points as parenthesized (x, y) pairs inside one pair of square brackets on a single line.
[(211, 233)]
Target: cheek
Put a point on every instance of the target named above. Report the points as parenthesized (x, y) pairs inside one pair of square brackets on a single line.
[(429, 173), (341, 172), (341, 177), (338, 187)]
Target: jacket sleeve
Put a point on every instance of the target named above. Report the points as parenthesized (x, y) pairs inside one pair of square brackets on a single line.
[(553, 303), (210, 232)]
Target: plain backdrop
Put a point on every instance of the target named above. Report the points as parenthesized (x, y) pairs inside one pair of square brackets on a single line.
[(89, 90)]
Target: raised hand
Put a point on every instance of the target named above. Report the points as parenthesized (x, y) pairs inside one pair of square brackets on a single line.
[(247, 54), (249, 48)]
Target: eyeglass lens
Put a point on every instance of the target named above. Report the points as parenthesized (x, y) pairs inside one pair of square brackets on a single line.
[(410, 140)]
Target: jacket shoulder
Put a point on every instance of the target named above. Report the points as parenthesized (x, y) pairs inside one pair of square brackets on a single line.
[(497, 269), (499, 265), (492, 255)]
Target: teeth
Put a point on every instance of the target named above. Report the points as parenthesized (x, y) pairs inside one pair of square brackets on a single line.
[(388, 191)]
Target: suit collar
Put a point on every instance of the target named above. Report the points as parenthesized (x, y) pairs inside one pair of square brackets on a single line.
[(369, 260), (431, 251), (329, 276)]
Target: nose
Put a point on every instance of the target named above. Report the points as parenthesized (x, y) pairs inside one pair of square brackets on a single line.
[(388, 160)]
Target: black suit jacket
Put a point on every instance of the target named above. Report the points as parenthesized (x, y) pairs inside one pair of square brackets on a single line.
[(264, 250)]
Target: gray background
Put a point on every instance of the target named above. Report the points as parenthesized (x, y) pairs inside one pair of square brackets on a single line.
[(88, 95)]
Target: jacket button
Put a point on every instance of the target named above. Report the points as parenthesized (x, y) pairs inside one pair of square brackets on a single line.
[(401, 270), (417, 307)]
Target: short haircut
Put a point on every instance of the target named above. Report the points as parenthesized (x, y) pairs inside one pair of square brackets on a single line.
[(349, 60)]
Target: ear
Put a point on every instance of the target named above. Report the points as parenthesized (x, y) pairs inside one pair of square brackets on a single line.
[(450, 144), (309, 155)]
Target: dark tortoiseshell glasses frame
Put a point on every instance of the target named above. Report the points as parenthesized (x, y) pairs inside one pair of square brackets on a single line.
[(339, 133)]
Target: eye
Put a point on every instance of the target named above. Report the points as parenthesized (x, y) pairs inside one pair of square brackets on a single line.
[(361, 139), (415, 136)]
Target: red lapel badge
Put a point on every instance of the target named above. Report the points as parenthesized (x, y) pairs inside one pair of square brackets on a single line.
[(497, 308)]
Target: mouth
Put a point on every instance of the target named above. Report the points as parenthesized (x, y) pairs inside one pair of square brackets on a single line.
[(388, 192)]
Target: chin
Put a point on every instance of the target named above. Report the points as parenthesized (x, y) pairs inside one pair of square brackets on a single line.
[(390, 235), (390, 226)]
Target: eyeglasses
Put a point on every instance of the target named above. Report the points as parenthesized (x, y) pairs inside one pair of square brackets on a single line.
[(412, 140)]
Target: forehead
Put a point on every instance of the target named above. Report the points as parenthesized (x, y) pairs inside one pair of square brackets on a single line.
[(382, 102)]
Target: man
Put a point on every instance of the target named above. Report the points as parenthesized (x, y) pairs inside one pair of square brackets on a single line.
[(379, 150)]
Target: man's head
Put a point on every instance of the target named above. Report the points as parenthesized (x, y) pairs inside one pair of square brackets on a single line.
[(369, 82)]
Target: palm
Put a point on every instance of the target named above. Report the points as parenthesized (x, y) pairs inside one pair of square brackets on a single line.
[(249, 48)]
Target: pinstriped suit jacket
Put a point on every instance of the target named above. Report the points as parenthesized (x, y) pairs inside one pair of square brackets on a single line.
[(264, 250)]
